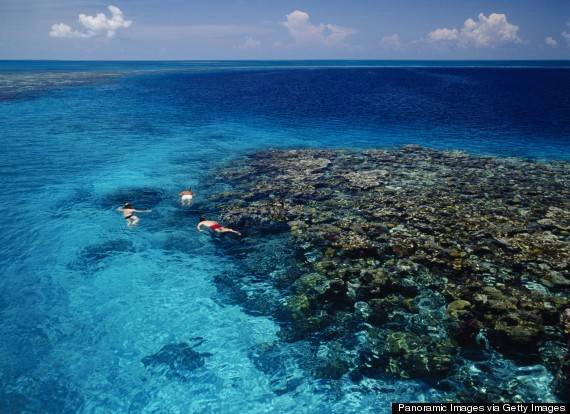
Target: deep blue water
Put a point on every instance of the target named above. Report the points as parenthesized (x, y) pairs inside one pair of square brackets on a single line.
[(83, 299)]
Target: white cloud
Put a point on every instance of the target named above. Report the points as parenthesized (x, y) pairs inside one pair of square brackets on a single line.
[(249, 44), (98, 25), (550, 41), (392, 41), (103, 24), (566, 36), (303, 31), (443, 35), (488, 31), (63, 30)]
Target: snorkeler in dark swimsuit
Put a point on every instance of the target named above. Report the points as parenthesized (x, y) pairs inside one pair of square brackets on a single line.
[(129, 213)]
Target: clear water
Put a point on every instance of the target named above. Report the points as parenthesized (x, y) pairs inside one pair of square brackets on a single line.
[(83, 298)]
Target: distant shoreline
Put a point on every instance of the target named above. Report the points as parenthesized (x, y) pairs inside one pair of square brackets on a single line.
[(335, 63)]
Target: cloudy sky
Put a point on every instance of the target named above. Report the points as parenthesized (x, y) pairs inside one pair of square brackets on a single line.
[(279, 29)]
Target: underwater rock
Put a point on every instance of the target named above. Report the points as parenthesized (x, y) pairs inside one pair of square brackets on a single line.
[(297, 307), (279, 362), (417, 356), (555, 280), (458, 308), (300, 319), (513, 333), (177, 360), (406, 355), (313, 283), (91, 258), (103, 250), (140, 197), (331, 361)]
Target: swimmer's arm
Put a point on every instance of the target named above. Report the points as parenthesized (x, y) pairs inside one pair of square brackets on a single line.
[(143, 211), (120, 209)]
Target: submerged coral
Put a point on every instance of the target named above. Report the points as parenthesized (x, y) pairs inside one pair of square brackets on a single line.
[(421, 254), (176, 360)]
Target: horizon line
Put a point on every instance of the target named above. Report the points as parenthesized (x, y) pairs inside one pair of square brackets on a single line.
[(283, 60)]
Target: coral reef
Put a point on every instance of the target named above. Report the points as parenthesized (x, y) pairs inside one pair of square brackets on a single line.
[(408, 258)]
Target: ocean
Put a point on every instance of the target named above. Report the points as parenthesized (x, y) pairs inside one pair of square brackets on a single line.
[(84, 299)]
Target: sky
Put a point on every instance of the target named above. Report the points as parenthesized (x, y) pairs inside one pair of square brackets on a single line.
[(279, 29)]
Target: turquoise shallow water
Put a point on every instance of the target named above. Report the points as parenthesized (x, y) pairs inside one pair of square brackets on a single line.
[(83, 298)]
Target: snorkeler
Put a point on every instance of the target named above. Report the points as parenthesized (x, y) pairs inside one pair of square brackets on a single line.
[(214, 226), (129, 213), (186, 197)]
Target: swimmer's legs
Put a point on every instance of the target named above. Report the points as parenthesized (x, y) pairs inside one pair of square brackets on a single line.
[(228, 231), (133, 221)]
